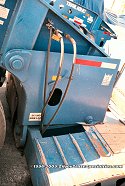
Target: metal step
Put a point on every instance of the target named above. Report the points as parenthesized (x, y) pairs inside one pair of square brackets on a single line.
[(67, 159)]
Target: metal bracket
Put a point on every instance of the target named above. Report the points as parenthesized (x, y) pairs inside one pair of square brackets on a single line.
[(17, 62)]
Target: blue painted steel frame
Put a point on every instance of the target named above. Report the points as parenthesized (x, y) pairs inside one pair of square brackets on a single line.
[(3, 28), (26, 61), (26, 30), (86, 86), (64, 151), (24, 56), (90, 20)]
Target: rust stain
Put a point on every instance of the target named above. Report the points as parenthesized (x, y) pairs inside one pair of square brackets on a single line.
[(87, 146), (97, 145), (78, 148), (60, 150), (43, 158), (94, 139)]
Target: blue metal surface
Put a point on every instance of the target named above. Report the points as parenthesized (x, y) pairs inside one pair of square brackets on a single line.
[(86, 88), (92, 97), (21, 30), (6, 9), (87, 16), (64, 151), (3, 28), (94, 5)]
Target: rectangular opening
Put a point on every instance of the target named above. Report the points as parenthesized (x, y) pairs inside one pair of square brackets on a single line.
[(63, 130)]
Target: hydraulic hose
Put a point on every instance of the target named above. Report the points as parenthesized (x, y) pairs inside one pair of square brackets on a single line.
[(58, 74), (47, 64), (68, 84)]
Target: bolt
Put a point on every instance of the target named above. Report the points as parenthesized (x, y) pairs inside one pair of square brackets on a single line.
[(16, 63), (89, 119)]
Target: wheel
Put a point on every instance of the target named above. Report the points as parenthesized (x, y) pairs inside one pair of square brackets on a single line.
[(2, 126)]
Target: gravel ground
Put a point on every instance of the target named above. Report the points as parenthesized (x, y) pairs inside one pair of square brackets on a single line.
[(13, 167)]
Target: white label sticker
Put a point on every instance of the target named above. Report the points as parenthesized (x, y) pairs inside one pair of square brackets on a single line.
[(1, 22), (108, 65), (4, 12), (76, 7), (78, 20), (2, 2), (35, 117), (90, 19), (107, 79)]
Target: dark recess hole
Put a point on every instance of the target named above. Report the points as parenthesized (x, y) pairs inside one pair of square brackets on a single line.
[(98, 184), (55, 99), (120, 182), (70, 11), (101, 44), (52, 3), (63, 130)]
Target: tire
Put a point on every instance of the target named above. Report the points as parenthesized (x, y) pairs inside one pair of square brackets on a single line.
[(2, 126)]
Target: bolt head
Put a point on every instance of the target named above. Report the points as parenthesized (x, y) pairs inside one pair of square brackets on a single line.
[(16, 63)]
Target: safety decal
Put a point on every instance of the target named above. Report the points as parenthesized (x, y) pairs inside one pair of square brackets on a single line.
[(90, 19), (54, 78), (35, 117), (107, 79), (76, 7), (78, 20), (4, 12), (96, 64), (55, 37), (2, 2)]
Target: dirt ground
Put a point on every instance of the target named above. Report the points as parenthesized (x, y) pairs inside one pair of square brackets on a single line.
[(13, 167)]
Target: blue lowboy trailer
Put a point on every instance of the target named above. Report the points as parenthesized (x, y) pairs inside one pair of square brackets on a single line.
[(59, 86)]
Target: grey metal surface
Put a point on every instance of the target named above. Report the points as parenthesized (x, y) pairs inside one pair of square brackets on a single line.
[(13, 167)]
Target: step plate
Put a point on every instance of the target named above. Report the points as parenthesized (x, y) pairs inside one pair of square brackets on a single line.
[(67, 159)]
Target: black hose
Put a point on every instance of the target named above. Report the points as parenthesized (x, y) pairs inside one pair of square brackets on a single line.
[(58, 74), (68, 84), (47, 65)]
